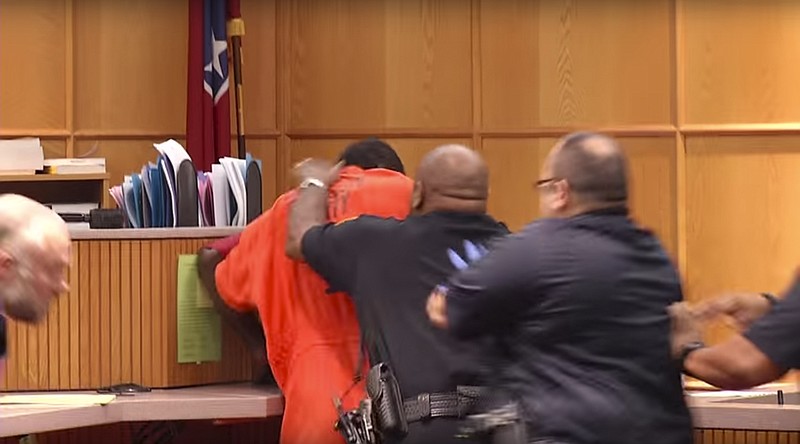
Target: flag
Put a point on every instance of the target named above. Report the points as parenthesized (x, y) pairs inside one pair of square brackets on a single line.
[(208, 125)]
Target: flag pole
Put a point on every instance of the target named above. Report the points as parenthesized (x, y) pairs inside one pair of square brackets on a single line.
[(236, 31)]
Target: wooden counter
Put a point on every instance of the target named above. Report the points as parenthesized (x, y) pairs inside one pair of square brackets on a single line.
[(118, 322), (211, 402), (724, 420)]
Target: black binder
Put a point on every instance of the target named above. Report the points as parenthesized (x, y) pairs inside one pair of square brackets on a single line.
[(252, 184), (187, 194)]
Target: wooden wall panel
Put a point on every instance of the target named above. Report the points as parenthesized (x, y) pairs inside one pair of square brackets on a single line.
[(258, 66), (118, 323), (514, 166), (32, 64), (359, 64), (123, 157), (267, 151), (741, 61), (50, 147), (130, 66), (556, 63), (742, 214)]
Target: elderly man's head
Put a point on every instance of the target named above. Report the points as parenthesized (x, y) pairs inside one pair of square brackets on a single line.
[(583, 172), (34, 254)]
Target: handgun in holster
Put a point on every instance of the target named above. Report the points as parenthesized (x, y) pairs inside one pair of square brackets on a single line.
[(387, 401), (356, 426)]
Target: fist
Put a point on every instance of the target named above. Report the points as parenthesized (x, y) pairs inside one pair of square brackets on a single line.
[(320, 169)]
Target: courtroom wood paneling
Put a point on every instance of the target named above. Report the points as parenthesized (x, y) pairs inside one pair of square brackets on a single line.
[(267, 151), (379, 64), (258, 68), (741, 61), (50, 147), (123, 157), (514, 166), (742, 214), (561, 63), (117, 323), (130, 66), (32, 64)]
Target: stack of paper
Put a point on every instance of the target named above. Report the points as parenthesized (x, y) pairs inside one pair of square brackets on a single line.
[(93, 165), (234, 170), (21, 156)]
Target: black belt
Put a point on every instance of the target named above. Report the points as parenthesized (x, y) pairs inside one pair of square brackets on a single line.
[(433, 405)]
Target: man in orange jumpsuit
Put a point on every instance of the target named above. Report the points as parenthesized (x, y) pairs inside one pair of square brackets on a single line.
[(312, 338)]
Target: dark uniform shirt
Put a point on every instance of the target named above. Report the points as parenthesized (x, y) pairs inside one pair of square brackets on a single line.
[(582, 303), (776, 333), (389, 267)]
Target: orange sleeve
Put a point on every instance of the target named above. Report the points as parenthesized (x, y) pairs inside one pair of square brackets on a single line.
[(235, 275), (233, 278)]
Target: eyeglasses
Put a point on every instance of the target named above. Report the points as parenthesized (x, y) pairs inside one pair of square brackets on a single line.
[(544, 182)]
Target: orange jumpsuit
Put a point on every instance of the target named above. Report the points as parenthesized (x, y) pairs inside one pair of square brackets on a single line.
[(312, 337)]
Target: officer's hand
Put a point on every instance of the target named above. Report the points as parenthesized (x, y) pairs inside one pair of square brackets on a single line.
[(742, 309), (686, 326), (320, 169), (437, 309)]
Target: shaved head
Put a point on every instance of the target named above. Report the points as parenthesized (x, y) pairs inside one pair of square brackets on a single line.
[(34, 253), (452, 178)]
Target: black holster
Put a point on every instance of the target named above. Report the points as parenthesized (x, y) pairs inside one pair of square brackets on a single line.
[(387, 401)]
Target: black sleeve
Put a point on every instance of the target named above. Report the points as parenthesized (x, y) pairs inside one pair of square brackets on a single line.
[(776, 334), (333, 250), (487, 296)]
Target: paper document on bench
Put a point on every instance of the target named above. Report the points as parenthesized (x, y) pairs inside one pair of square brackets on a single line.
[(199, 328), (21, 156), (58, 399)]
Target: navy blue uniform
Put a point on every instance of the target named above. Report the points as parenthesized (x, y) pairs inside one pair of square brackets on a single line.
[(776, 333), (582, 305)]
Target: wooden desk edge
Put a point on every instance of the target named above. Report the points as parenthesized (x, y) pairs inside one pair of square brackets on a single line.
[(194, 403), (153, 233), (725, 413)]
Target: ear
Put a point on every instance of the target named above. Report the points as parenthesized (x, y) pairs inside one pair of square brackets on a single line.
[(6, 262), (417, 196), (563, 195)]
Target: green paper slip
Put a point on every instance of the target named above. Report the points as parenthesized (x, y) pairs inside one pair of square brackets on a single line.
[(199, 328)]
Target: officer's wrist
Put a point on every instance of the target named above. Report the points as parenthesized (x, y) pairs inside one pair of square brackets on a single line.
[(686, 350)]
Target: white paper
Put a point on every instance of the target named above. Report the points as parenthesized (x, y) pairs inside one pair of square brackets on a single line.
[(174, 153), (222, 191), (233, 168), (21, 155)]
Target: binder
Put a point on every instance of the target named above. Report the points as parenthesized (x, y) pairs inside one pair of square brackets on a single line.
[(188, 197), (252, 185)]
